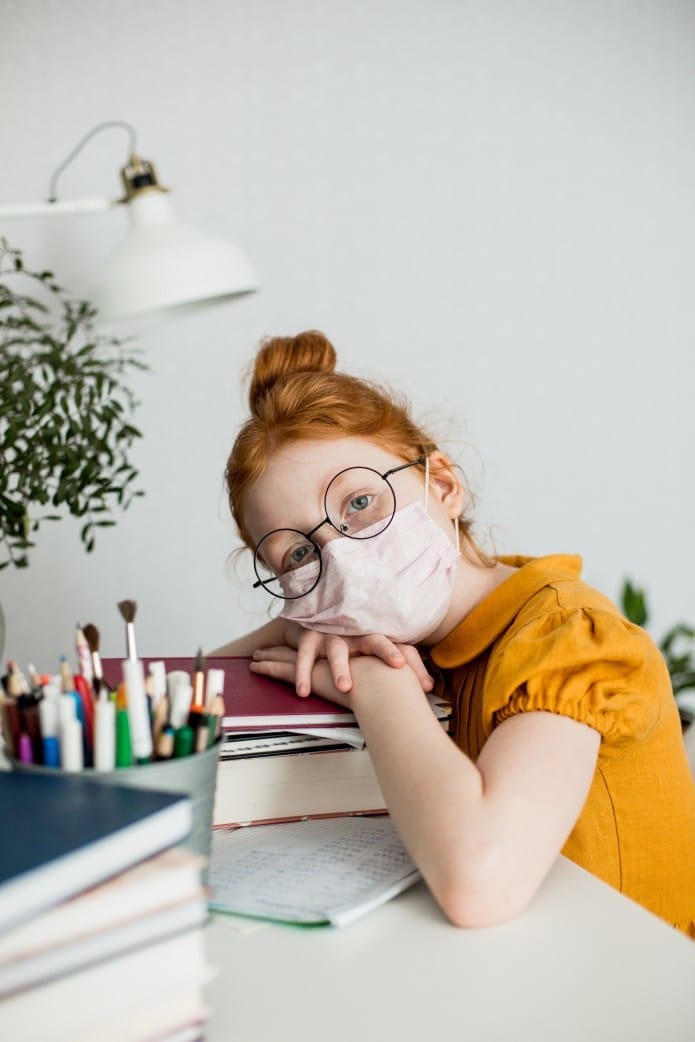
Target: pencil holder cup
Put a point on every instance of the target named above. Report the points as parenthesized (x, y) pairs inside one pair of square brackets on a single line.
[(193, 776)]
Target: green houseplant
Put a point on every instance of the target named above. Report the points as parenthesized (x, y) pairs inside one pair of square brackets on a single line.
[(66, 412)]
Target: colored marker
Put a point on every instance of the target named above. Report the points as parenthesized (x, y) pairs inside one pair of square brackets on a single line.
[(138, 710), (124, 751), (26, 753), (51, 751), (183, 741), (105, 735), (71, 746)]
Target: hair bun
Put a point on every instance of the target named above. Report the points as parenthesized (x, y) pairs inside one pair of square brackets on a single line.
[(283, 356)]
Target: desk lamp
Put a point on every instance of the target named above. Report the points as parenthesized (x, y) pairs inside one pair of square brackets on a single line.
[(163, 265)]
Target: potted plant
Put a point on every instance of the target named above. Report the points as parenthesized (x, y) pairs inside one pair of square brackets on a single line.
[(66, 412)]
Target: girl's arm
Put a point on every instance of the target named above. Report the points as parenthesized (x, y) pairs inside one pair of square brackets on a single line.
[(483, 835)]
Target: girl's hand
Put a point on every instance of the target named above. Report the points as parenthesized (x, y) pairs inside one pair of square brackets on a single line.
[(312, 646), (280, 663)]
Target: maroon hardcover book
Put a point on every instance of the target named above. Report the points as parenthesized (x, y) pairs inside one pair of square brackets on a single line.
[(252, 702)]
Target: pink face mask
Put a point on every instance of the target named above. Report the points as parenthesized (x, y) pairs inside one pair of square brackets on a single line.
[(398, 583)]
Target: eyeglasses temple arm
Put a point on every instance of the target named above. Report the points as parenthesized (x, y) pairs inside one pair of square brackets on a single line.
[(403, 466)]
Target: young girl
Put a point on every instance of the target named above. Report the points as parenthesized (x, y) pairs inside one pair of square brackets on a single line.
[(565, 735)]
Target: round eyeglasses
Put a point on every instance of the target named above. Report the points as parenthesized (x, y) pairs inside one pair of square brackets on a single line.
[(359, 503)]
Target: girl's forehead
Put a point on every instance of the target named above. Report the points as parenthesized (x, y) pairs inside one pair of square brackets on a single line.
[(292, 487), (323, 458)]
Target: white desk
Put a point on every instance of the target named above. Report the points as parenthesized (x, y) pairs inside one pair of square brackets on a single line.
[(583, 964)]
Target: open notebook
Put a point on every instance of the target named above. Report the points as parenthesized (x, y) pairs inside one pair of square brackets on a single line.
[(328, 871)]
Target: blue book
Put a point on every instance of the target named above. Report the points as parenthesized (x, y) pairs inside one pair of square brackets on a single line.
[(62, 833)]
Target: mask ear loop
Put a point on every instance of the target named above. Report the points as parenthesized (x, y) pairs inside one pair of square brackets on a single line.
[(458, 539), (427, 481)]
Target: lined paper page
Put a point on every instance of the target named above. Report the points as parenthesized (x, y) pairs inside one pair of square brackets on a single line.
[(328, 870)]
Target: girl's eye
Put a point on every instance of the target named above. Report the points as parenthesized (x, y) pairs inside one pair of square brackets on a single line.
[(298, 555), (358, 503)]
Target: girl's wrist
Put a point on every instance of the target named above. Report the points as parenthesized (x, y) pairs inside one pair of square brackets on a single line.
[(372, 678)]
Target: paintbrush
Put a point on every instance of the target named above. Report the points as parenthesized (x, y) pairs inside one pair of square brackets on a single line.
[(128, 610), (92, 636), (136, 697)]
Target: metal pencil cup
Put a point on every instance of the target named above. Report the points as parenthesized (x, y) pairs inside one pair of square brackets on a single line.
[(193, 776)]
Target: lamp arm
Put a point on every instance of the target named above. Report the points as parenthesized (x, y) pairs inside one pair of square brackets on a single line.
[(53, 186), (90, 204)]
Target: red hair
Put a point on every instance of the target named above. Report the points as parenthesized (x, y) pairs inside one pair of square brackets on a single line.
[(295, 394)]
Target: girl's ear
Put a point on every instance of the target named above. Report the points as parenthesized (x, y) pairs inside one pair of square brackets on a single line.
[(445, 484)]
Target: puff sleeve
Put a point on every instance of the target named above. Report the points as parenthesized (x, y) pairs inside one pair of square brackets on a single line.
[(586, 663)]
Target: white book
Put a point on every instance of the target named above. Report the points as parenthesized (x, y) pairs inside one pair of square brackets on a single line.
[(155, 884), (139, 995), (321, 871), (268, 778), (295, 785), (94, 947)]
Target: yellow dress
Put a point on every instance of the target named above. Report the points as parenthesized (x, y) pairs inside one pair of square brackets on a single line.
[(544, 640)]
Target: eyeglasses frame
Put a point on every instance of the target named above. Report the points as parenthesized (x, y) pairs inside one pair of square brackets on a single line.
[(308, 535)]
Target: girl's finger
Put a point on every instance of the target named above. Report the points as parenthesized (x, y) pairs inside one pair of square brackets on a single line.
[(280, 653), (277, 670), (338, 656), (412, 657), (381, 647), (308, 649)]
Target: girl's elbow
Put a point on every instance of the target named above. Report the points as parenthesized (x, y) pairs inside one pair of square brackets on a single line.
[(470, 902)]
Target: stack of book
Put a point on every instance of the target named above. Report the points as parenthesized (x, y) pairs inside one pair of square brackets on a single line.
[(101, 913), (284, 758)]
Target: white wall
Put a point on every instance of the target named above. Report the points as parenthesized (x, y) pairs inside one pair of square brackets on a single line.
[(490, 204)]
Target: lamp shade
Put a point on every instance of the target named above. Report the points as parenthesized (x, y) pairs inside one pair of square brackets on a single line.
[(164, 264)]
